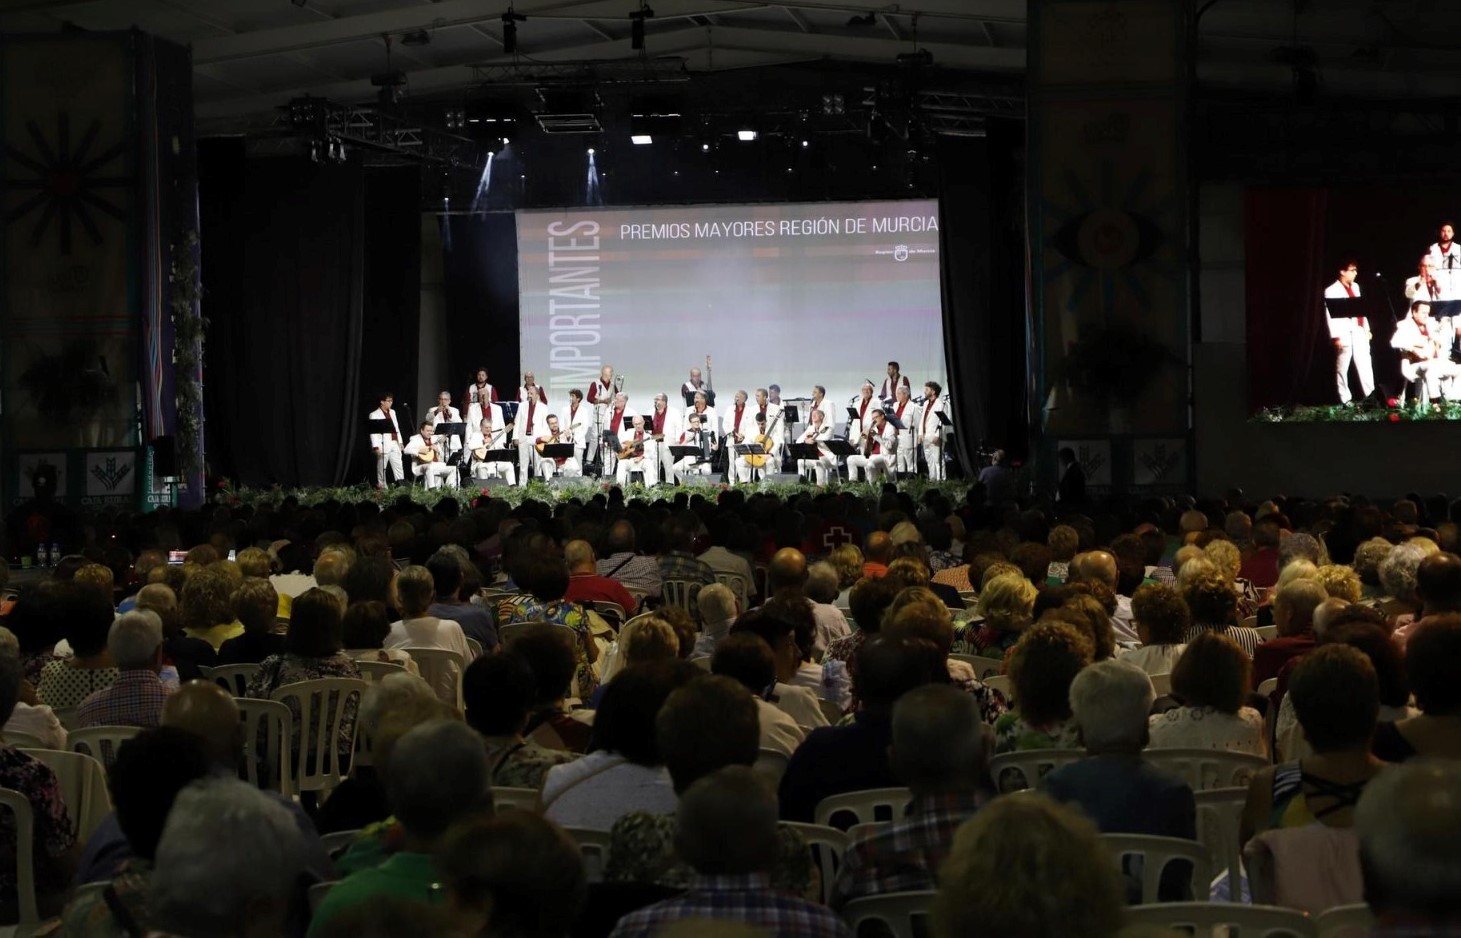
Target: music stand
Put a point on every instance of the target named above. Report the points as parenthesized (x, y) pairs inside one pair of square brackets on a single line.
[(1445, 309), (628, 423), (751, 449), (556, 451), (804, 451), (1348, 307), (789, 414), (841, 449), (893, 421)]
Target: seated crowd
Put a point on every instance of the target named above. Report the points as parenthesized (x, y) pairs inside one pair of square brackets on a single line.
[(609, 718)]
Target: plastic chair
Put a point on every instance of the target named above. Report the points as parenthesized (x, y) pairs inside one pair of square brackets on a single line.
[(336, 842), (983, 667), (828, 844), (681, 593), (1246, 921), (702, 663), (523, 799), (970, 598), (1013, 771), (475, 647), (317, 894), (1219, 816), (233, 678), (737, 585), (322, 705), (1346, 921), (267, 727), (772, 764), (897, 911), (999, 682), (83, 783), (373, 672), (1161, 683), (1250, 622), (66, 716), (1265, 688), (100, 742), (864, 805), (25, 876), (594, 846), (24, 740), (1156, 853), (611, 611), (1267, 632), (1207, 768), (442, 669), (831, 709)]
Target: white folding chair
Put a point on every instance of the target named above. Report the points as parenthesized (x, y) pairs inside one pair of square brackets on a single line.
[(267, 728), (1251, 622), (831, 709), (828, 844), (999, 682), (970, 598), (984, 668), (66, 716), (1345, 921), (233, 678), (897, 911), (23, 740), (681, 593), (25, 876), (864, 806), (1266, 632), (702, 663), (327, 707), (1156, 854), (1207, 768), (1161, 683), (1219, 816), (771, 763), (100, 742), (442, 669), (594, 847), (475, 647), (614, 613), (1246, 921), (337, 842), (737, 585), (1267, 687), (522, 799), (83, 783), (373, 672), (1013, 771)]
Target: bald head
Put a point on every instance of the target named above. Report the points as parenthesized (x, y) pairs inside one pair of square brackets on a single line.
[(878, 548), (1438, 583), (205, 710), (787, 571), (1097, 565), (579, 555), (1406, 821), (621, 537)]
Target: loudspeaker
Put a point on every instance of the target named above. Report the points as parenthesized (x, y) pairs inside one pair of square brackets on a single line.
[(164, 456), (780, 478)]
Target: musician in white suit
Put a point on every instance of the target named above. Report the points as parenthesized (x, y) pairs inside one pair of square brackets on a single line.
[(637, 453), (738, 422), (601, 397), (895, 380), (931, 429), (532, 416), (1350, 336), (864, 405), (479, 393), (1424, 356), (577, 422), (879, 449), (531, 389), (694, 434), (387, 446), (443, 412), (1432, 285), (664, 424), (817, 433), (429, 453), (480, 440), (820, 402), (775, 428), (907, 413), (701, 408), (548, 465)]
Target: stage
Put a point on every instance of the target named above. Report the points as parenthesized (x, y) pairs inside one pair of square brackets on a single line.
[(224, 492), (1392, 411)]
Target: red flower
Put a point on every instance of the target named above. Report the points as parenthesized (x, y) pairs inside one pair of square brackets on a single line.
[(1394, 418), (1393, 402), (486, 493)]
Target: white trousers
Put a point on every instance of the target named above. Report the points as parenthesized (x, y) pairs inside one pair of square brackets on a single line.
[(1360, 355), (645, 464), (390, 455), (906, 458), (817, 469), (741, 470), (934, 456), (875, 468), (436, 473), (571, 468), (495, 470), (526, 452), (687, 467), (1437, 379)]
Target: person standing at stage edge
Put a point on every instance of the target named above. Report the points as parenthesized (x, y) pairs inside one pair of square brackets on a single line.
[(1350, 335)]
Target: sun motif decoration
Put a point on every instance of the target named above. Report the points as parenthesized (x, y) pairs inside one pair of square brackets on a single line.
[(64, 185)]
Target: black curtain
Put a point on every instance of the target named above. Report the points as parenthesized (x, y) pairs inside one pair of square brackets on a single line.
[(479, 258), (983, 274), (290, 251)]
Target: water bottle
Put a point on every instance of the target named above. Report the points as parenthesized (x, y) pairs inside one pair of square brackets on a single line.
[(41, 556), (55, 555), (169, 676), (836, 683)]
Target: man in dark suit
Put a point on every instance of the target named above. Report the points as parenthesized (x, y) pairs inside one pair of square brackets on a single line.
[(1071, 489)]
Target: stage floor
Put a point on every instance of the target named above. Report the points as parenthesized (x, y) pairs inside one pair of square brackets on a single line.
[(561, 490)]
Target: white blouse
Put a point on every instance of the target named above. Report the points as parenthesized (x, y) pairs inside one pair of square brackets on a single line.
[(1154, 659), (1207, 728)]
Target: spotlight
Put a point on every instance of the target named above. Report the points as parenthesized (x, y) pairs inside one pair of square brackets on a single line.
[(745, 136), (642, 140), (704, 148), (833, 105), (806, 143), (590, 151)]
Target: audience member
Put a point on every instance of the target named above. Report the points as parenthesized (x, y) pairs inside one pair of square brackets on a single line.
[(499, 692), (256, 603), (363, 632), (1406, 822), (1437, 587), (546, 579), (587, 585), (746, 658), (1293, 613), (38, 720), (136, 697), (1041, 667), (1160, 616), (1432, 659), (86, 619), (638, 573), (1005, 606), (448, 572), (417, 628), (1214, 607), (1211, 682), (789, 641), (512, 875), (550, 653), (206, 604), (718, 610)]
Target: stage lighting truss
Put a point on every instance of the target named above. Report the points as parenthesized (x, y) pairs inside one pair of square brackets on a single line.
[(334, 130)]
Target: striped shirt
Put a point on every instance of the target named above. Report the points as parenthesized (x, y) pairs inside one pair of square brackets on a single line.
[(746, 899)]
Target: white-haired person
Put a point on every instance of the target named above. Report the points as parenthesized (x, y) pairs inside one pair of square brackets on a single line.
[(229, 864), (1113, 784), (136, 697), (1005, 605), (1409, 853), (718, 611), (36, 720)]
